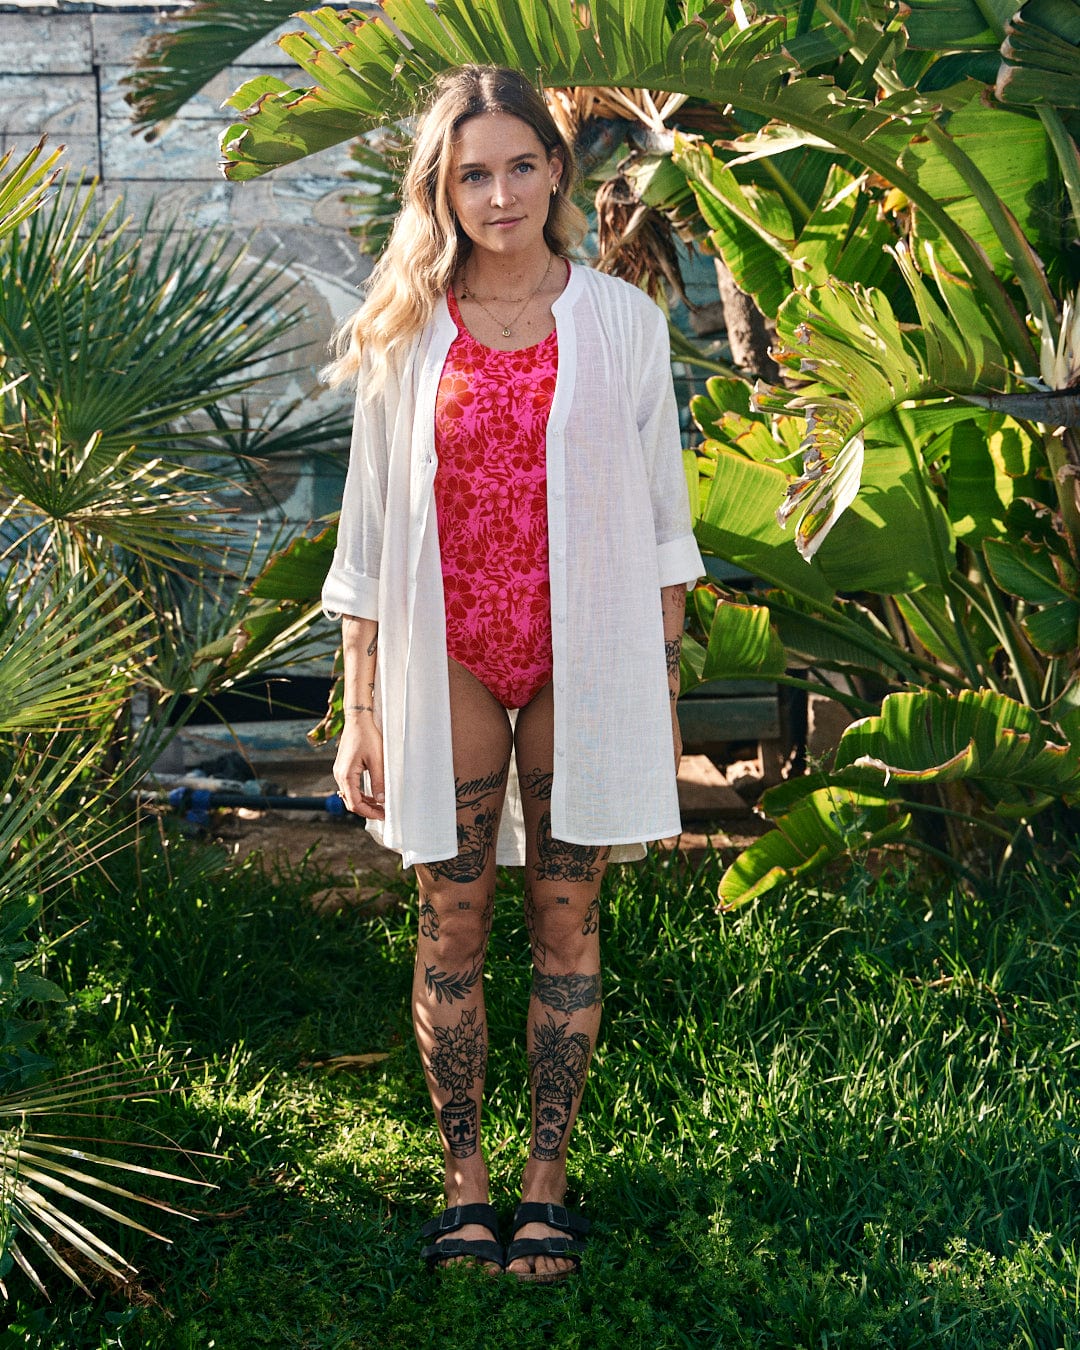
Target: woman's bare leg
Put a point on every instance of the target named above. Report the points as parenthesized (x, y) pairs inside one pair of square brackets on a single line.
[(457, 901), (562, 910)]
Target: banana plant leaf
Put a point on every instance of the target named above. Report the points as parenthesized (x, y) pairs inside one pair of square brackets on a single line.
[(988, 739), (742, 644), (1041, 55), (1045, 581), (826, 825), (1005, 158)]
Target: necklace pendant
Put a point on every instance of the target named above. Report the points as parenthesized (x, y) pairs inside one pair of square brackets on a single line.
[(506, 332)]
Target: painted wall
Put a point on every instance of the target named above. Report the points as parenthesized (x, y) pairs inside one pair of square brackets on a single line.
[(61, 66)]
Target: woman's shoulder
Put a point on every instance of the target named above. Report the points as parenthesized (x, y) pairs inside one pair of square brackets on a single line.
[(619, 296)]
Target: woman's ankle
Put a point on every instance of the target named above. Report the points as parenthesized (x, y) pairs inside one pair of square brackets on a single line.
[(544, 1183), (466, 1185)]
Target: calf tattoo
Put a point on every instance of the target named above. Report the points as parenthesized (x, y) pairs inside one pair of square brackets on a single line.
[(557, 1067), (447, 985), (559, 861), (458, 1059), (567, 993)]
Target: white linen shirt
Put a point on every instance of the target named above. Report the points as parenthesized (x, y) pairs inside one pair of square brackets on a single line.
[(619, 529)]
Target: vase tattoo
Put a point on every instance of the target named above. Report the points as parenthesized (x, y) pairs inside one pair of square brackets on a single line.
[(458, 1059), (557, 1065)]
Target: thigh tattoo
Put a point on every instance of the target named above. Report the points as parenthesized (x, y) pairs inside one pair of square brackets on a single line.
[(559, 861), (475, 842)]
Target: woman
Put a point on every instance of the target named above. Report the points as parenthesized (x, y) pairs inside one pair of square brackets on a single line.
[(511, 572)]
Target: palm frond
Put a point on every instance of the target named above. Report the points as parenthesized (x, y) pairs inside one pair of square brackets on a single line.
[(174, 65)]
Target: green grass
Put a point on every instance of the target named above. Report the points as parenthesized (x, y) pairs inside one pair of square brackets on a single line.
[(832, 1120)]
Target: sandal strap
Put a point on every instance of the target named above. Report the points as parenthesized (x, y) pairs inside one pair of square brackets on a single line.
[(571, 1248), (457, 1216), (555, 1216), (480, 1249)]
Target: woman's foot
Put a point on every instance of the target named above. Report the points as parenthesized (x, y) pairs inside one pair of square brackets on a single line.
[(568, 1229), (464, 1193)]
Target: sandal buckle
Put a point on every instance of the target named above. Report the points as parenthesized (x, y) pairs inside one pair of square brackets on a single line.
[(558, 1216), (448, 1220)]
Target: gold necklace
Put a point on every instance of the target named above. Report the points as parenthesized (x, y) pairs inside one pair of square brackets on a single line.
[(505, 328)]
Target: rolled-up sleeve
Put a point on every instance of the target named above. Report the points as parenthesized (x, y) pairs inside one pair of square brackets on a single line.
[(352, 584), (678, 557)]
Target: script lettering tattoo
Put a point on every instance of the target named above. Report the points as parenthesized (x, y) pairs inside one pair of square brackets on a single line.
[(559, 861), (458, 1059), (474, 846), (539, 950), (592, 917), (567, 993), (429, 919), (537, 784), (557, 1068), (471, 793), (446, 986)]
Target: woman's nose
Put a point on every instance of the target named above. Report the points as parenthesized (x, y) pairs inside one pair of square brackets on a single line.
[(501, 192)]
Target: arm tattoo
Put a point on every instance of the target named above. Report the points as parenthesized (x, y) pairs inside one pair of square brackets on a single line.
[(557, 1068), (450, 985), (672, 649), (567, 993), (591, 922), (373, 645)]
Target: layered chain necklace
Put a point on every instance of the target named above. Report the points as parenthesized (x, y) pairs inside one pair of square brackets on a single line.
[(505, 327)]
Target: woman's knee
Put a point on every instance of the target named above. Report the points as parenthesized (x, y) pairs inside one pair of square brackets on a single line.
[(564, 931), (457, 925)]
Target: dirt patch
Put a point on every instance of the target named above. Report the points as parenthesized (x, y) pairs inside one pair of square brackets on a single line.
[(359, 872)]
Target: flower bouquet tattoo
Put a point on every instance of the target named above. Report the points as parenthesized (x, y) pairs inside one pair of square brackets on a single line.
[(457, 1061)]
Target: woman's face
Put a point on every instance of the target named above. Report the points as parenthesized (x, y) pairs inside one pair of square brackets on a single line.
[(500, 182)]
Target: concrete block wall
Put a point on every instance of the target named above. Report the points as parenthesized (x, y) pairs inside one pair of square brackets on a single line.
[(61, 67)]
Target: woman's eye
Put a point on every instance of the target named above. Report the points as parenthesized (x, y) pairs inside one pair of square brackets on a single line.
[(473, 176), (525, 168)]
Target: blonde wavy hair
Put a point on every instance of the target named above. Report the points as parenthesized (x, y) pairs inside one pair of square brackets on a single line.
[(427, 245)]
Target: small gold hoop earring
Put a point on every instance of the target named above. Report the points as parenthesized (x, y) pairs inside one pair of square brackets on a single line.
[(554, 188)]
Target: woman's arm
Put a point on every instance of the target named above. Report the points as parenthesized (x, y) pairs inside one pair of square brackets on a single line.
[(673, 609), (360, 747)]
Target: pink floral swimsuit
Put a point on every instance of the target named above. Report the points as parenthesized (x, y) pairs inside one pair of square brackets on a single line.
[(491, 419)]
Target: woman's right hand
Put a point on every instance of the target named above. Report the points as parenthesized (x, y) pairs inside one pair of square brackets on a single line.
[(360, 749)]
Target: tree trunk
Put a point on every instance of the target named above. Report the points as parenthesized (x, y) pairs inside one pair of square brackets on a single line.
[(749, 334)]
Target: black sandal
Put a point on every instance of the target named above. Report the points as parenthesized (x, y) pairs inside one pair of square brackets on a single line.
[(574, 1226), (478, 1249)]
